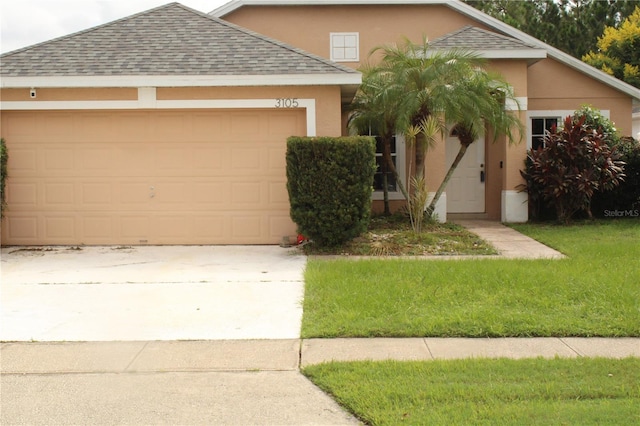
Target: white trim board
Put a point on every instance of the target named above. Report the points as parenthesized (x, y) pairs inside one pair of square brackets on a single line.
[(343, 78)]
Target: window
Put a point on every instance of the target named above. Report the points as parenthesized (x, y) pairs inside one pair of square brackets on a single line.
[(378, 178), (539, 126), (345, 47), (398, 158)]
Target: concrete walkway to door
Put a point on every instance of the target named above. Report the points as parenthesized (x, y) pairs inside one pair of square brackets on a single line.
[(151, 293)]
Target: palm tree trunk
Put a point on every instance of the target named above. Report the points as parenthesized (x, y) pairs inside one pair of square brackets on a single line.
[(447, 177)]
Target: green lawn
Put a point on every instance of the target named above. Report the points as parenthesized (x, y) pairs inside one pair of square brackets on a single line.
[(594, 292), (583, 391)]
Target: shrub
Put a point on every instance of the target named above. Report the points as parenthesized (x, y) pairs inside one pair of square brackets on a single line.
[(574, 163), (625, 196), (594, 120), (4, 157), (330, 182)]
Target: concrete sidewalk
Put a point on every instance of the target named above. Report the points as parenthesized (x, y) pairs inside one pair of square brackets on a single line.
[(509, 242), (231, 382)]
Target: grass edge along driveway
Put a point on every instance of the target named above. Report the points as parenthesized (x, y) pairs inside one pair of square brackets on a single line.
[(581, 391), (594, 292)]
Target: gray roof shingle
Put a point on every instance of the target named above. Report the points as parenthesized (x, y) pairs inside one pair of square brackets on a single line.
[(474, 38), (167, 40)]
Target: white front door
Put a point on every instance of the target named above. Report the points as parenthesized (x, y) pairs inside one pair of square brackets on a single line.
[(465, 191)]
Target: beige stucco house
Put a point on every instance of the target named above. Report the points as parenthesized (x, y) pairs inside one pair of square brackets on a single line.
[(169, 126)]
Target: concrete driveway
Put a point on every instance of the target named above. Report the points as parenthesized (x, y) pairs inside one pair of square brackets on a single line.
[(150, 293)]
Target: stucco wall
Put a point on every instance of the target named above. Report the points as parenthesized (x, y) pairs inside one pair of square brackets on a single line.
[(308, 27), (555, 86)]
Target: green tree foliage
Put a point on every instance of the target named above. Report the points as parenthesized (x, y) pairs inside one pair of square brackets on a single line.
[(330, 181), (413, 84), (618, 52), (572, 26)]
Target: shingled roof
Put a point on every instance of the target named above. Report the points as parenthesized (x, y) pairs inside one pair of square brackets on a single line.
[(167, 40), (475, 38)]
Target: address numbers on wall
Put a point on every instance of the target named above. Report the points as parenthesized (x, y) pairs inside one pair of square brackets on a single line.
[(287, 103)]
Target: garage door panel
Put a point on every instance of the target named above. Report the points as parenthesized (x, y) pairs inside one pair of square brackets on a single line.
[(169, 127), (60, 229), (96, 160), (149, 177), (24, 161), (207, 158), (58, 127), (22, 195), (97, 195), (207, 127), (280, 226), (133, 160), (97, 229), (134, 228), (18, 128), (59, 195), (209, 228), (59, 161), (21, 228), (278, 194), (134, 195)]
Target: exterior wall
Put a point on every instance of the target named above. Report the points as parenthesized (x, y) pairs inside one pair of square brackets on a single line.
[(96, 94), (545, 85), (327, 98), (328, 112), (554, 86), (308, 27)]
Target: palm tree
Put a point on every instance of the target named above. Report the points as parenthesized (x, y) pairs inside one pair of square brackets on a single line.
[(426, 81), (482, 106), (413, 83), (374, 110)]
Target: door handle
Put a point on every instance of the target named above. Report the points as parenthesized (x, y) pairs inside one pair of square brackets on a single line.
[(482, 176)]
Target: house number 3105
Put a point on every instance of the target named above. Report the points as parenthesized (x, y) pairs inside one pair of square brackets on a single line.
[(287, 103)]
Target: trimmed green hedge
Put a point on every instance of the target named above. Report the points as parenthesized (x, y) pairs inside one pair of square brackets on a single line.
[(330, 181)]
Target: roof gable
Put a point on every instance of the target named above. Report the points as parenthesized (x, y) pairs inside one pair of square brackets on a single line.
[(169, 40), (488, 44), (465, 9)]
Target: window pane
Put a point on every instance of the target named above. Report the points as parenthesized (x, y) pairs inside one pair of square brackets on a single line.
[(537, 126), (537, 142), (378, 179), (550, 122), (350, 41), (350, 53)]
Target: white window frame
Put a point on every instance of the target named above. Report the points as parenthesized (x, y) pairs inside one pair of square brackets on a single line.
[(561, 114), (401, 161), (338, 42)]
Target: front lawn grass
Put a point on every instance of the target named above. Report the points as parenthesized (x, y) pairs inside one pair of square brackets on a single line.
[(594, 292), (582, 391)]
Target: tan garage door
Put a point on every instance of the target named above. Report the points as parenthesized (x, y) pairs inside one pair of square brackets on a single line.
[(148, 177)]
